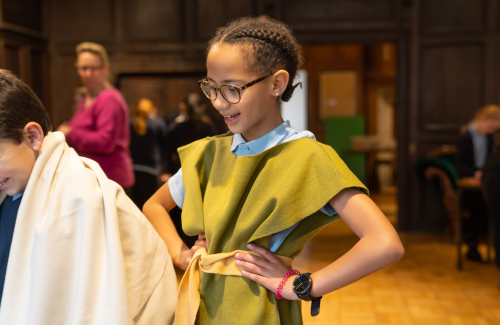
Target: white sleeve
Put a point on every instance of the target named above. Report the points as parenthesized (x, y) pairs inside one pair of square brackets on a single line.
[(176, 187)]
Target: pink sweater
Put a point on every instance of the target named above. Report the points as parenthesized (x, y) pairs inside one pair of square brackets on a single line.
[(101, 133)]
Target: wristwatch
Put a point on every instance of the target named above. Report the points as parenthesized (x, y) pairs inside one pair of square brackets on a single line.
[(302, 287)]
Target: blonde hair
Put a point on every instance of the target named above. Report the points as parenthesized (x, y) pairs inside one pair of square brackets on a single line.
[(140, 115), (489, 112), (93, 48)]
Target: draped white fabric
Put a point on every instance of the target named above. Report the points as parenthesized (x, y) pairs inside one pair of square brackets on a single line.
[(82, 252)]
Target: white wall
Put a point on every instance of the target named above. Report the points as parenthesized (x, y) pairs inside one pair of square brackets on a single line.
[(295, 110)]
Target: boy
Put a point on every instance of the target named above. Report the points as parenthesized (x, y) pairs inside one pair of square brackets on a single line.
[(73, 248)]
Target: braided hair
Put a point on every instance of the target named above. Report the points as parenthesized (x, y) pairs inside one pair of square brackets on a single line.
[(268, 44)]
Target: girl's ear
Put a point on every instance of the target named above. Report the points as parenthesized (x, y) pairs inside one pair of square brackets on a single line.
[(280, 81), (34, 135)]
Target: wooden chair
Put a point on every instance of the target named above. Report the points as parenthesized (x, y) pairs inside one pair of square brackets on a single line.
[(441, 151), (449, 194)]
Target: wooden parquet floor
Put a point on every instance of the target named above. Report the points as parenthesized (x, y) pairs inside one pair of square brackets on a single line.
[(423, 288)]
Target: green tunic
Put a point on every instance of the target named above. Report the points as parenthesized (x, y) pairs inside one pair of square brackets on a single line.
[(238, 200)]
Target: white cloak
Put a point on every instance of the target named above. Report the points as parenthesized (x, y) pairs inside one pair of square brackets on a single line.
[(82, 252)]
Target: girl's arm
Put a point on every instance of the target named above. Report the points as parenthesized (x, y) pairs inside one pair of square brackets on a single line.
[(379, 246), (156, 210)]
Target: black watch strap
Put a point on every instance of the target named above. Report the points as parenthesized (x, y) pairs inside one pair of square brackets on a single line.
[(315, 306)]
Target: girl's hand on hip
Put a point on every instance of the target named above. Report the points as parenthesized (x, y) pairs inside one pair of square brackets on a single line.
[(267, 270), (186, 254), (199, 244)]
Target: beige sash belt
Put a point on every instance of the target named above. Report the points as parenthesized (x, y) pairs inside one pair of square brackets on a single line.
[(189, 292)]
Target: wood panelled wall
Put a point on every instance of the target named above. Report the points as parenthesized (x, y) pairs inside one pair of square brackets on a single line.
[(448, 52), (23, 43), (170, 36), (454, 70)]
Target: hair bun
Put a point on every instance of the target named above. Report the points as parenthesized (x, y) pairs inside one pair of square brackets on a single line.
[(287, 94)]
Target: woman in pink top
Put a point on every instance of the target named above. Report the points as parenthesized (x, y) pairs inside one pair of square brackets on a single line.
[(99, 130)]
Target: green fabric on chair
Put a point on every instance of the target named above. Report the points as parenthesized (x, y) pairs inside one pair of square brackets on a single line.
[(445, 162)]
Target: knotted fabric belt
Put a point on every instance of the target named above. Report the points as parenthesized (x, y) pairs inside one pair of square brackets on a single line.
[(189, 290)]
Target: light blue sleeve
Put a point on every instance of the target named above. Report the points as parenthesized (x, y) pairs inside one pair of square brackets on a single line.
[(176, 187), (328, 210), (278, 238)]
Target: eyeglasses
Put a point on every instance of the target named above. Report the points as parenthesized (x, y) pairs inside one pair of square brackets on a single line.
[(91, 69), (230, 93)]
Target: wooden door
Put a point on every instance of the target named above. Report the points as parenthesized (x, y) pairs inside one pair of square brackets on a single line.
[(453, 72), (23, 44)]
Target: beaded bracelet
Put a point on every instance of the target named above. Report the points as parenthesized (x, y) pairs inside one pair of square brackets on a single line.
[(277, 294)]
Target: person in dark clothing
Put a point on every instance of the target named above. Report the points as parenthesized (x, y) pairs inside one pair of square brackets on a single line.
[(8, 214), (491, 192), (473, 148), (186, 128), (148, 150)]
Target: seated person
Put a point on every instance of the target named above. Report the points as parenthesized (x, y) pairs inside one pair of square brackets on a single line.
[(473, 148), (73, 248), (491, 191)]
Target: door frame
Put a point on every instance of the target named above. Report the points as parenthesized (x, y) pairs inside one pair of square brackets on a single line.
[(408, 188)]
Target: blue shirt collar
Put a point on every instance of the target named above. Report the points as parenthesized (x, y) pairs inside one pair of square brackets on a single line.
[(17, 196), (265, 142)]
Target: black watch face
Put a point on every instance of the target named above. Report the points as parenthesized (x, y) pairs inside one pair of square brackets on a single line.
[(302, 284)]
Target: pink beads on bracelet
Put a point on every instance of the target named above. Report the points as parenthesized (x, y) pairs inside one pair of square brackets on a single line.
[(277, 294)]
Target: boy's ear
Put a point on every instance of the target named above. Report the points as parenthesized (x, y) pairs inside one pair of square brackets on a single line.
[(280, 82), (34, 134)]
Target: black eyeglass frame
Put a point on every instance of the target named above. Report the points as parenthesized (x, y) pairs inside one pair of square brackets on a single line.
[(238, 88)]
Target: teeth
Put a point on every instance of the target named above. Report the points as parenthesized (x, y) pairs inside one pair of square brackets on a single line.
[(230, 117), (3, 182)]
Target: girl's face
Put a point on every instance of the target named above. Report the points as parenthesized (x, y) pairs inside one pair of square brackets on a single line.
[(258, 111), (91, 70)]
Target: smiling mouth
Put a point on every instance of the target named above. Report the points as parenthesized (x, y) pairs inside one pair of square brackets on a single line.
[(231, 117), (3, 182)]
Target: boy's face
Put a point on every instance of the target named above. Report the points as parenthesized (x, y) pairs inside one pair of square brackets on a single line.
[(16, 163)]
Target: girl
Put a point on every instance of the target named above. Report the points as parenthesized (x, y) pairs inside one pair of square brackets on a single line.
[(260, 192)]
